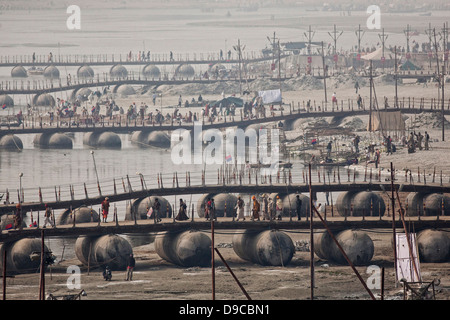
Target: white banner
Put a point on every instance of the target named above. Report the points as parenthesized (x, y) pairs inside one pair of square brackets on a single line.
[(103, 110), (405, 264), (270, 96)]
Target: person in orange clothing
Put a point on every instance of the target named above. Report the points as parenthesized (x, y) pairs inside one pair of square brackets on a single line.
[(256, 209), (105, 209)]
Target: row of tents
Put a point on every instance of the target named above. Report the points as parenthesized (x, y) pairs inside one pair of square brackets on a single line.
[(377, 56)]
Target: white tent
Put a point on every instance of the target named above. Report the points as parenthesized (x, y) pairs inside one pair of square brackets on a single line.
[(376, 55)]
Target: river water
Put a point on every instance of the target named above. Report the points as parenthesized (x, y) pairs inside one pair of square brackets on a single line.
[(109, 31)]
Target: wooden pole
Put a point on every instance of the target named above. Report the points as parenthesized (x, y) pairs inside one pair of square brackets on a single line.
[(4, 274), (395, 77), (370, 103), (233, 275), (311, 238), (345, 255), (213, 272), (42, 278), (324, 74), (394, 241)]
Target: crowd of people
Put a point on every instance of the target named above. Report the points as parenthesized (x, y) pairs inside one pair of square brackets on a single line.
[(264, 207)]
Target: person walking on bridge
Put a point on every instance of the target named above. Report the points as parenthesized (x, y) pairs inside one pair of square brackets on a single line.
[(212, 210), (105, 209), (298, 203), (182, 211), (279, 207), (256, 208), (156, 208), (240, 206), (272, 209), (18, 217), (48, 216)]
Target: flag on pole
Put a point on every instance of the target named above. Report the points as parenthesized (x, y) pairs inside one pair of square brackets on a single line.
[(4, 106), (314, 141), (229, 158)]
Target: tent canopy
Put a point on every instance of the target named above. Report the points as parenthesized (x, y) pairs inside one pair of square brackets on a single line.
[(228, 101), (377, 55), (387, 121), (408, 65)]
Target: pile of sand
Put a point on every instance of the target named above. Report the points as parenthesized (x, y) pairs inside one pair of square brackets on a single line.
[(303, 82), (354, 123), (427, 120), (384, 79), (346, 81)]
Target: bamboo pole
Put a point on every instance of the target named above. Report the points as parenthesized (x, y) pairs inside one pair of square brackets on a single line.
[(42, 267), (4, 274), (311, 236), (393, 223), (233, 275), (213, 272)]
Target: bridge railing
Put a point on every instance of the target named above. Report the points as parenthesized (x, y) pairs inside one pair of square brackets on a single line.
[(226, 175), (39, 118), (72, 82), (136, 56)]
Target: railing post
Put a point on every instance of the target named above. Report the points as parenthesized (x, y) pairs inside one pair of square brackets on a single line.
[(72, 213)]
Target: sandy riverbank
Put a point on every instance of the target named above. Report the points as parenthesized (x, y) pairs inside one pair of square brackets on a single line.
[(156, 279)]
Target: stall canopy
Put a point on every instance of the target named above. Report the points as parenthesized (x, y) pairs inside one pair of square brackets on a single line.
[(228, 101), (408, 65), (387, 121), (374, 56)]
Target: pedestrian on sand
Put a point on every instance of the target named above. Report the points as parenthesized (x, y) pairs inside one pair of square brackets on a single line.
[(131, 262)]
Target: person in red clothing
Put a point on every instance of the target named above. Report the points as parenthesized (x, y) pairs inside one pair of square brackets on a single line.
[(105, 209)]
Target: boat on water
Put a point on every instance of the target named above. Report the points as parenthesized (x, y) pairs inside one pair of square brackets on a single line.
[(33, 71)]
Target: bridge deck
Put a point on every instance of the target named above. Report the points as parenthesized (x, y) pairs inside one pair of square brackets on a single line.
[(224, 223), (34, 126), (16, 87)]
